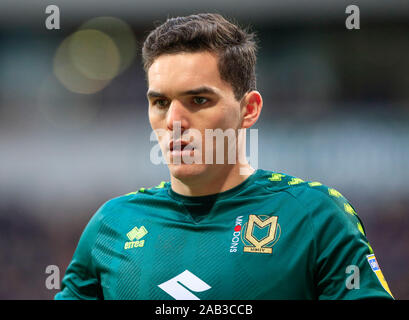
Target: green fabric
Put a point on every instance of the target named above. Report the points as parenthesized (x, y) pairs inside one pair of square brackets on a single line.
[(317, 235)]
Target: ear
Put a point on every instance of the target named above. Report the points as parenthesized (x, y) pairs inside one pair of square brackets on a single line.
[(251, 106)]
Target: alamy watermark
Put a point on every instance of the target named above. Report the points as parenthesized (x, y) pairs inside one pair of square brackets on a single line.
[(353, 20), (52, 21), (195, 147), (53, 280), (353, 279)]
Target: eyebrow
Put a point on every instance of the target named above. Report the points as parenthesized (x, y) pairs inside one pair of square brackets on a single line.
[(196, 91)]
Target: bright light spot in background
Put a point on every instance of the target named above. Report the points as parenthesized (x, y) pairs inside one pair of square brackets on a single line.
[(69, 75), (120, 33), (94, 54), (90, 58)]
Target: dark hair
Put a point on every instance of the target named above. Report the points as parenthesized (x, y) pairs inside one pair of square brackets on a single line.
[(236, 48)]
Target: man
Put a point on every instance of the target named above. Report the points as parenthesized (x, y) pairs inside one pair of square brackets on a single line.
[(218, 230)]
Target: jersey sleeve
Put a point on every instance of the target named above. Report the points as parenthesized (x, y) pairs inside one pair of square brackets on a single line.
[(81, 281), (345, 264)]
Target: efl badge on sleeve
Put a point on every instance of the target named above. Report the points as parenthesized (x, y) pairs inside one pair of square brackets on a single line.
[(375, 268)]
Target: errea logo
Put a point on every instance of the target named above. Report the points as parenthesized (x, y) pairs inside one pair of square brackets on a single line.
[(135, 235)]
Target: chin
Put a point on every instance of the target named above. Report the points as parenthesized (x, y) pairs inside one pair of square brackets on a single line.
[(187, 171)]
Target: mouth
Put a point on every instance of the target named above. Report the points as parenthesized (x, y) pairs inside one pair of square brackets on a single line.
[(179, 146)]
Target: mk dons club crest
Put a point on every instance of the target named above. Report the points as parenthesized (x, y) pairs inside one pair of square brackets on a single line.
[(260, 233)]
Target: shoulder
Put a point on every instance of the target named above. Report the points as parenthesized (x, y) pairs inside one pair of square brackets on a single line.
[(131, 199), (310, 195), (330, 214)]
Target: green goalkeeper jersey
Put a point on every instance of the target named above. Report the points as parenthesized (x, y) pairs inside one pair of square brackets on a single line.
[(273, 236)]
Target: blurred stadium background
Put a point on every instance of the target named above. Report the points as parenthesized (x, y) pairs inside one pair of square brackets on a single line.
[(74, 130)]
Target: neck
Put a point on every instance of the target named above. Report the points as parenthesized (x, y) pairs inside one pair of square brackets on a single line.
[(210, 183)]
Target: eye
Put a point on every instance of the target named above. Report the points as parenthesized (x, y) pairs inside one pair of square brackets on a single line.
[(200, 100), (161, 103)]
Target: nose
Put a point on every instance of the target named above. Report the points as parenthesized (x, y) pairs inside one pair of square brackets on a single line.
[(177, 116)]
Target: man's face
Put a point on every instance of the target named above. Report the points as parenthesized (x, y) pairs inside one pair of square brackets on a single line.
[(186, 88)]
